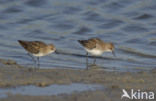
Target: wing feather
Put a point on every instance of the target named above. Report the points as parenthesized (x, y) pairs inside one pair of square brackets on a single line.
[(32, 46), (90, 43)]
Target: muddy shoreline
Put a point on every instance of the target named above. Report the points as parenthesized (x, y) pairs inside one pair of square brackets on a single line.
[(14, 75)]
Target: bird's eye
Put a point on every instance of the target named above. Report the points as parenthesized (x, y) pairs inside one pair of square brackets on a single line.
[(111, 48)]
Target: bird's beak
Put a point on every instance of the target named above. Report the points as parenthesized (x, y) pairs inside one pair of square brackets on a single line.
[(56, 52), (113, 53)]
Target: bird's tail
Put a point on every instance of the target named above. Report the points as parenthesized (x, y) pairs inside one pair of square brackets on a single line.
[(82, 42), (22, 43)]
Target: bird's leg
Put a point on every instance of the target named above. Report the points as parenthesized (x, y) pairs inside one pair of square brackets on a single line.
[(94, 60), (38, 62), (87, 60), (32, 58)]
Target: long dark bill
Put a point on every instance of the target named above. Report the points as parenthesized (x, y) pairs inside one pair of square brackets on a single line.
[(56, 51), (113, 53)]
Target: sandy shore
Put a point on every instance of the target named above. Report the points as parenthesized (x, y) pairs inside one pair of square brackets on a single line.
[(13, 75)]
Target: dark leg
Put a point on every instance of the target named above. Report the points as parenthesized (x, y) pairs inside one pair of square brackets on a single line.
[(32, 58), (38, 62), (94, 60), (87, 60)]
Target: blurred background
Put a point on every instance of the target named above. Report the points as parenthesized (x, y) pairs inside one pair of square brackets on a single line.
[(129, 24)]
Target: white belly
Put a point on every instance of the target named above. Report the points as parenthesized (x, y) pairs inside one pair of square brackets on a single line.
[(43, 54), (39, 54), (95, 52)]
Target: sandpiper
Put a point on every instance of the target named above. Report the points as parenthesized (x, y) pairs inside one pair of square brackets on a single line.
[(37, 48), (96, 47)]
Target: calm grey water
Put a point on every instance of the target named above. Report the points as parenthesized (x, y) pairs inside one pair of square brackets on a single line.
[(129, 24), (50, 90)]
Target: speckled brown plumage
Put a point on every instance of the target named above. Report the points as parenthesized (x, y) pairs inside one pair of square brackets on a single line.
[(37, 48), (32, 46), (96, 47), (90, 43), (95, 43)]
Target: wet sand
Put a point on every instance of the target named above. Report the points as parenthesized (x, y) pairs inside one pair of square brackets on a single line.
[(14, 75)]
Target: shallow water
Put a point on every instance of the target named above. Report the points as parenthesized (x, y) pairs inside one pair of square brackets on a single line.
[(48, 91), (129, 24)]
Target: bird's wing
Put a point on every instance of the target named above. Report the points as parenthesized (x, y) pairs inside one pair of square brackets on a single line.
[(89, 44), (32, 46), (94, 42)]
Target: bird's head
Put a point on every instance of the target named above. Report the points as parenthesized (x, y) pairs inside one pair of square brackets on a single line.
[(111, 48)]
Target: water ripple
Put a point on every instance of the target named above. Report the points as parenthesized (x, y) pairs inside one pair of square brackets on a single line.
[(134, 28), (111, 24), (143, 17), (127, 23), (36, 3)]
